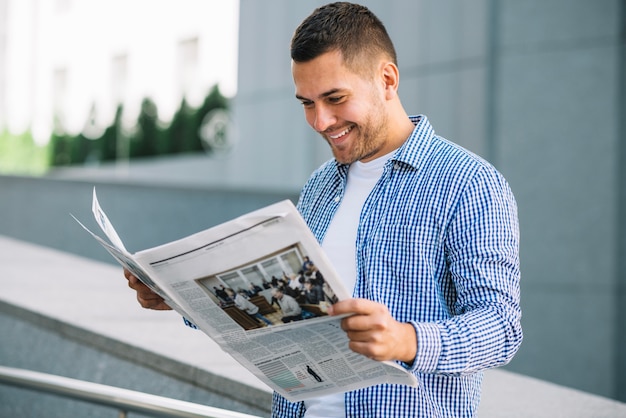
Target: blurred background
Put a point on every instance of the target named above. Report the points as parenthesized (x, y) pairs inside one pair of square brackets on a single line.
[(85, 83), (183, 112)]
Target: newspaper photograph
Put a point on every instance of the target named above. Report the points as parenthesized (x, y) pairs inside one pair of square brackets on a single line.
[(260, 285)]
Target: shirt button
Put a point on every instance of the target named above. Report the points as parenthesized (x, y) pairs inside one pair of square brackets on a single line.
[(337, 199), (396, 166)]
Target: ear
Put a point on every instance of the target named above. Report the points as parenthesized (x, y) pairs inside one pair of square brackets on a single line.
[(391, 79)]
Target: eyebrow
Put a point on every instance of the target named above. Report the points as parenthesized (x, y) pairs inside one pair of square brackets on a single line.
[(325, 94)]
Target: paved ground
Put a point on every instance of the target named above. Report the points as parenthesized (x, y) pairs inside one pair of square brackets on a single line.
[(94, 296)]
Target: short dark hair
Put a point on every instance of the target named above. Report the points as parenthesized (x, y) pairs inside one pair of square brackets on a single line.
[(349, 28)]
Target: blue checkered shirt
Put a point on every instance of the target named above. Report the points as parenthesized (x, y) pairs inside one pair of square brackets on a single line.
[(438, 244)]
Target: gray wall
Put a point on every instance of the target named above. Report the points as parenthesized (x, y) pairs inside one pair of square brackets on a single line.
[(38, 210), (558, 106)]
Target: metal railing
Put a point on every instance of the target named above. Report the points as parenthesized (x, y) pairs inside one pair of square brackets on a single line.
[(122, 399)]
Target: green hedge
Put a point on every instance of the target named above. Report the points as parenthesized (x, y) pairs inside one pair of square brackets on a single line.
[(20, 155), (147, 138)]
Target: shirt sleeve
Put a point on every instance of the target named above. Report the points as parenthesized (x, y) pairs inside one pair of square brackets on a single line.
[(482, 247)]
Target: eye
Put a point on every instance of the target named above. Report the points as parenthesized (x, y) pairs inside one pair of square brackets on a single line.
[(306, 103), (336, 99)]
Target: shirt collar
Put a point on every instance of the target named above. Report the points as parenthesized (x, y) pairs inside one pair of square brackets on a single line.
[(413, 149)]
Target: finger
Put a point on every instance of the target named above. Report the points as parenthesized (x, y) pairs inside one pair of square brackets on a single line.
[(148, 294), (398, 342), (129, 275), (365, 349), (156, 305), (161, 307), (371, 317), (153, 304), (373, 345), (367, 337), (145, 296), (354, 306), (136, 284), (151, 300), (357, 326), (377, 320)]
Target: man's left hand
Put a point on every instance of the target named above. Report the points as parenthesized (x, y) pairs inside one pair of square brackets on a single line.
[(374, 333)]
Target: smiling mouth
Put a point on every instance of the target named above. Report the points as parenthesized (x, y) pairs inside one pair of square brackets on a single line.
[(340, 134)]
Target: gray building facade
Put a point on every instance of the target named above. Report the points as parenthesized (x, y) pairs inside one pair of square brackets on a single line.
[(537, 88)]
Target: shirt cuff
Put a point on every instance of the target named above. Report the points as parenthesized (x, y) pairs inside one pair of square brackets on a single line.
[(428, 348)]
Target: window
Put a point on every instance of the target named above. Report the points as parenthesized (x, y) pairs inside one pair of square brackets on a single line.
[(59, 96), (62, 6), (119, 75), (188, 65), (288, 261)]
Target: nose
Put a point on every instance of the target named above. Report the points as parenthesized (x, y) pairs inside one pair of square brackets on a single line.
[(321, 118)]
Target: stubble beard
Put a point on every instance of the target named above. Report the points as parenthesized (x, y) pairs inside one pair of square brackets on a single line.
[(370, 140)]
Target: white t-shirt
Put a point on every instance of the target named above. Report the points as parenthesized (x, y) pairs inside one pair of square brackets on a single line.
[(340, 246)]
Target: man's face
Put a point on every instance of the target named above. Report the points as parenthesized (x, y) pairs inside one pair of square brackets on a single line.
[(346, 108)]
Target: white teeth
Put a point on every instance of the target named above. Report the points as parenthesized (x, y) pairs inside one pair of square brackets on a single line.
[(339, 135)]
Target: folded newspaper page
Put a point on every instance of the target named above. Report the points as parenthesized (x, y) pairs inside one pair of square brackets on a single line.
[(260, 285)]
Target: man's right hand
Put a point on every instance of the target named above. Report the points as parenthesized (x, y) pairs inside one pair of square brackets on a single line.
[(146, 297)]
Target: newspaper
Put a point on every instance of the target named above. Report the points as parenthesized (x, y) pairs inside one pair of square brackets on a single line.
[(225, 281)]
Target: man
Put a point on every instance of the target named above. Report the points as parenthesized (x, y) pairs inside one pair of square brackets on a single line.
[(243, 304), (288, 305), (306, 264), (295, 284), (253, 290), (313, 293), (423, 231)]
